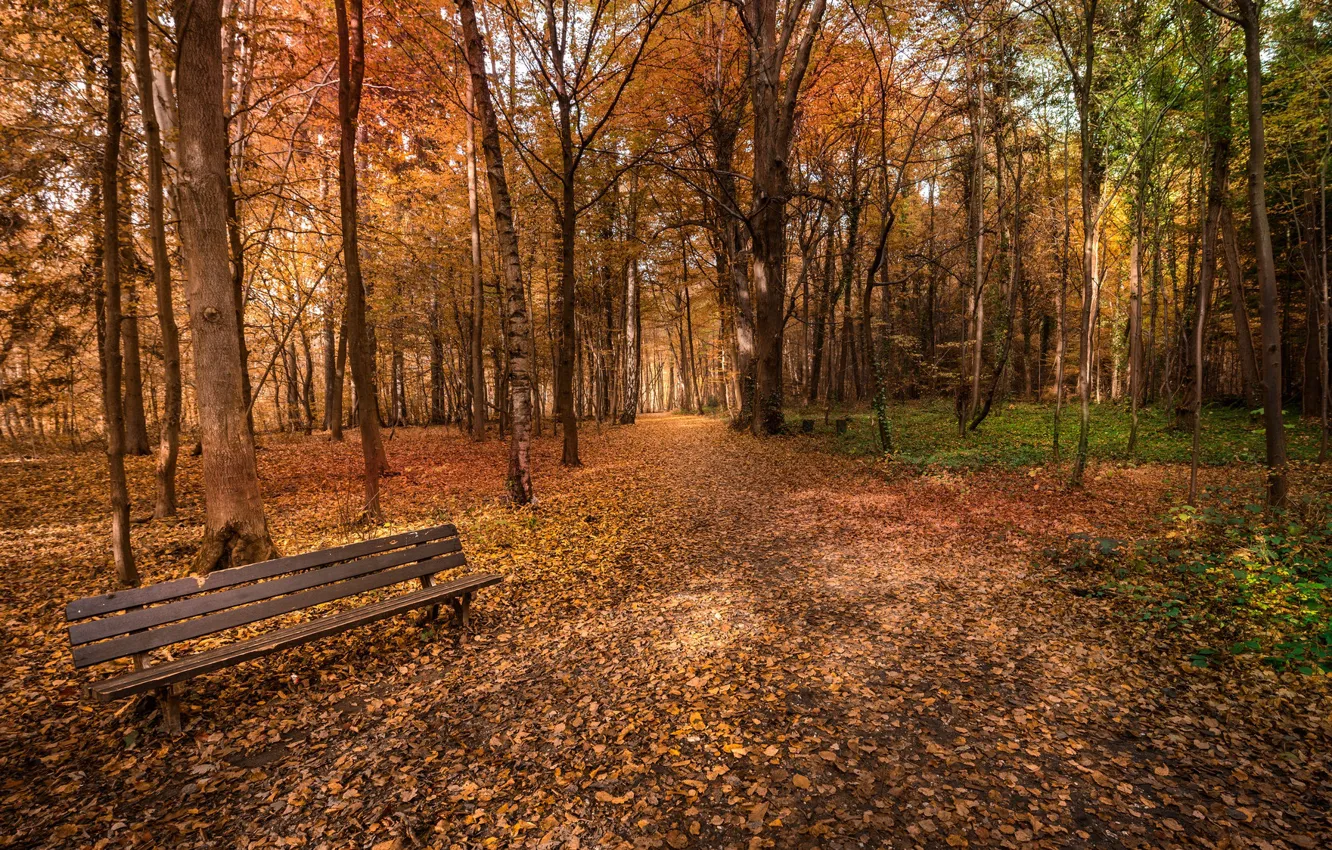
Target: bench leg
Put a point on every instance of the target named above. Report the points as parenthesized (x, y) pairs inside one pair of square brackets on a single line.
[(433, 613), (170, 704), (462, 610), (167, 701)]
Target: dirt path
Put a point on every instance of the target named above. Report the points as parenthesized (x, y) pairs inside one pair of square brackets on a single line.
[(704, 641)]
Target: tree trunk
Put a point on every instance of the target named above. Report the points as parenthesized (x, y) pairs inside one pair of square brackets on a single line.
[(978, 250), (1216, 188), (518, 326), (236, 531), (774, 101), (819, 333), (351, 73), (438, 390), (1239, 309), (632, 342), (564, 389), (737, 262), (1061, 318), (331, 388), (1092, 172), (292, 367), (307, 384), (1135, 316), (168, 448), (136, 420), (478, 368), (126, 572), (1262, 242)]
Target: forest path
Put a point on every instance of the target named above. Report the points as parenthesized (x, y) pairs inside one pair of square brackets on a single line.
[(703, 640), (898, 669)]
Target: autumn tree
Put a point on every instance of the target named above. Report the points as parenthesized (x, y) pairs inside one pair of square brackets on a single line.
[(517, 324), (236, 530), (351, 75)]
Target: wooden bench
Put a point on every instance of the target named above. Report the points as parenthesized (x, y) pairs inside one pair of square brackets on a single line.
[(132, 623)]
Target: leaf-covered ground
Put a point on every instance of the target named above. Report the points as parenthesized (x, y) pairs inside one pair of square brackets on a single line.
[(702, 641)]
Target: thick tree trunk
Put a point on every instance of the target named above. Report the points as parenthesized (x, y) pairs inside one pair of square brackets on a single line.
[(168, 448), (517, 323), (235, 528), (774, 101), (478, 368), (126, 572), (351, 73)]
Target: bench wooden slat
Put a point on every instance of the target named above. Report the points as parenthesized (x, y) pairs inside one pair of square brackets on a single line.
[(205, 662), (134, 597), (87, 655), (194, 606)]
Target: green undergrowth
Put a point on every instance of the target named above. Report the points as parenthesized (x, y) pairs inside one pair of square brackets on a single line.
[(925, 434), (1224, 580)]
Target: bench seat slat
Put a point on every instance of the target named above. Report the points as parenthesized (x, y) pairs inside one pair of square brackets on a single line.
[(226, 656), (147, 618), (120, 647), (165, 591)]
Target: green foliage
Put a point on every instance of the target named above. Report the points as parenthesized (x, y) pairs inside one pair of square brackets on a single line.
[(1019, 434), (1228, 574)]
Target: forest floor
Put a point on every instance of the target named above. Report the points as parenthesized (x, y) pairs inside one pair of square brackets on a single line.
[(702, 641)]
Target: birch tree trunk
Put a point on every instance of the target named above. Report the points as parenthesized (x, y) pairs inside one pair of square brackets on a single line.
[(632, 341), (517, 322), (478, 387)]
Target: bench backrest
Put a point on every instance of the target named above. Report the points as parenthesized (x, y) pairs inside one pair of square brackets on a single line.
[(139, 619)]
